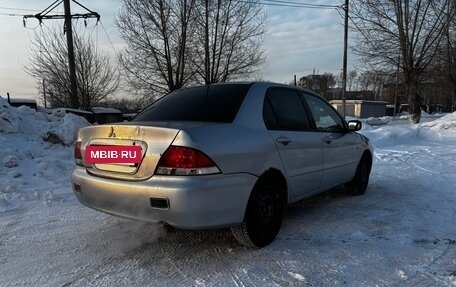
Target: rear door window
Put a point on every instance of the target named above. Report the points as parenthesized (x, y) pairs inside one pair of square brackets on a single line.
[(214, 103), (284, 110)]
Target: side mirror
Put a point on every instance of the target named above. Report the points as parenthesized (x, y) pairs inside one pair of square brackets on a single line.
[(354, 125)]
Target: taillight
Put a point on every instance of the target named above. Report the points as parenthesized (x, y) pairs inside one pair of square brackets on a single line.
[(178, 160), (78, 153)]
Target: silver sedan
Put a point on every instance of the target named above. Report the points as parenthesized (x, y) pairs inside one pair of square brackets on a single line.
[(231, 154)]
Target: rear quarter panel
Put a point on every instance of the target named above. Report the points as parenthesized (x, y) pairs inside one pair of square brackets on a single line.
[(234, 149)]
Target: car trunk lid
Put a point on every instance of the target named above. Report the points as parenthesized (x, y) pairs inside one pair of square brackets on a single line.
[(153, 140)]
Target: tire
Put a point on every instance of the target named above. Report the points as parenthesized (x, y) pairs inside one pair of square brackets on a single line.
[(360, 181), (263, 217)]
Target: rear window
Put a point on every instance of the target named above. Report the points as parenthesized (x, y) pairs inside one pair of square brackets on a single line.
[(214, 103)]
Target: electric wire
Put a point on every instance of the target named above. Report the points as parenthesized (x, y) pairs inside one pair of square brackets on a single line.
[(305, 5), (11, 14), (18, 9), (290, 4), (109, 39)]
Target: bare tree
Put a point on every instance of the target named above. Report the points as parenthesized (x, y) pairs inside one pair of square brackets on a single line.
[(442, 72), (451, 51), (331, 79), (352, 78), (172, 44), (373, 81), (157, 34), (96, 79), (230, 33), (400, 32)]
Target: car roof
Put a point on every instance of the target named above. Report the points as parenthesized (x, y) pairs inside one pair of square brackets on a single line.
[(261, 83)]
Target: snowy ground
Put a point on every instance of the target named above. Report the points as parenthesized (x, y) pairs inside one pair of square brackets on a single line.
[(402, 232)]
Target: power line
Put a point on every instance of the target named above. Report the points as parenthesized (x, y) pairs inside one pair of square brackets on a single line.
[(68, 30), (306, 5), (285, 3), (44, 14), (109, 39), (18, 9), (11, 14), (290, 4)]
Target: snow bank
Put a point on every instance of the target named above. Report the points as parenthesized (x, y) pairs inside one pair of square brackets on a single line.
[(67, 128), (57, 127), (8, 120), (443, 128), (32, 165), (377, 121), (446, 124)]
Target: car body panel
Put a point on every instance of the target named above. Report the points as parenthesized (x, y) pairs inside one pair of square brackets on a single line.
[(154, 141), (337, 166), (302, 158), (194, 202), (230, 145)]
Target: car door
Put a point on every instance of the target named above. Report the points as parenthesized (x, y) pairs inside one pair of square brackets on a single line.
[(341, 149), (298, 145)]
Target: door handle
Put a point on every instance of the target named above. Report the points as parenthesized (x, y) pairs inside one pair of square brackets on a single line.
[(328, 139), (332, 137), (283, 140)]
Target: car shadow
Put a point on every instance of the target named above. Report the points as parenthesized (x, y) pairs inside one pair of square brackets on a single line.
[(170, 255), (172, 238)]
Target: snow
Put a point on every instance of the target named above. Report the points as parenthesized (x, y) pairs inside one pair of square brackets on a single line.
[(400, 233), (444, 126)]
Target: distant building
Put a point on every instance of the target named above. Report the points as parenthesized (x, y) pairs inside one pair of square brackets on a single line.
[(316, 83), (436, 97), (99, 115), (17, 102), (107, 115), (360, 108), (336, 94)]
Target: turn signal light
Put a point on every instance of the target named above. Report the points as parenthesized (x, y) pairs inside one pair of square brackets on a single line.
[(178, 160), (78, 153)]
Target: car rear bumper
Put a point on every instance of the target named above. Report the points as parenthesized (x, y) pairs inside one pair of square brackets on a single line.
[(193, 202)]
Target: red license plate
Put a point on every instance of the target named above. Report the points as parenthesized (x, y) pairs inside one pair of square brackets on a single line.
[(113, 154)]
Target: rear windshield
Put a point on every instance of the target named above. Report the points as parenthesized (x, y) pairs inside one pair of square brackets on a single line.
[(214, 103)]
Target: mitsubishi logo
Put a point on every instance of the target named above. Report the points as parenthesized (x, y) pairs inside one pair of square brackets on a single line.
[(112, 134)]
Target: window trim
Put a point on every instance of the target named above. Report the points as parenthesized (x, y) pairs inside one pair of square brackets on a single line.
[(267, 102)]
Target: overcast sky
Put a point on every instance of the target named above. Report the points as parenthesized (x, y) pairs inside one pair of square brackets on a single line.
[(298, 40)]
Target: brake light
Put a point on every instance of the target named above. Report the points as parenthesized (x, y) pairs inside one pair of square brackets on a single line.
[(78, 153), (178, 160)]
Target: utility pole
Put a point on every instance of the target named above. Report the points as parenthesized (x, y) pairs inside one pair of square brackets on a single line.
[(344, 72), (71, 65), (69, 35), (44, 94)]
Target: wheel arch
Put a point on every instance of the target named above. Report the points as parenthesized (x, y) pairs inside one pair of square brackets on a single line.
[(275, 177)]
